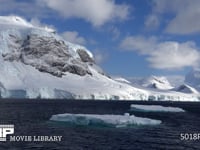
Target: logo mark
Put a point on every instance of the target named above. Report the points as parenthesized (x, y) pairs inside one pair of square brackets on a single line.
[(5, 130)]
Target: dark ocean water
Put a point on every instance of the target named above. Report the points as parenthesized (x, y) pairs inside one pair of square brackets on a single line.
[(31, 117)]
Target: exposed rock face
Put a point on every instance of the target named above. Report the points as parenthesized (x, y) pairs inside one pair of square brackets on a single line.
[(48, 55), (84, 56)]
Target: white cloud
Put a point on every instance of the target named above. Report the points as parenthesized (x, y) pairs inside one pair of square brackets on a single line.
[(139, 44), (115, 32), (185, 12), (152, 21), (36, 22), (100, 57), (169, 55), (73, 37), (28, 9), (91, 41), (97, 12), (174, 55)]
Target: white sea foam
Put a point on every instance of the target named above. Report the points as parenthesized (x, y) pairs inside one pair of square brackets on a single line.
[(155, 108), (125, 120)]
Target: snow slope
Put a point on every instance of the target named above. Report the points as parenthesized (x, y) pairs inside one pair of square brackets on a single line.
[(122, 80), (155, 82), (38, 63), (186, 89)]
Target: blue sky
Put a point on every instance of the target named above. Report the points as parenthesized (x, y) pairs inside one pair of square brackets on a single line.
[(127, 37)]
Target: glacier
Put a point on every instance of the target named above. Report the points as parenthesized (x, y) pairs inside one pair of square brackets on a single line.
[(125, 120), (38, 63)]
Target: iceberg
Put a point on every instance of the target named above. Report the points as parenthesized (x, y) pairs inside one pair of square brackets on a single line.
[(125, 120), (155, 108)]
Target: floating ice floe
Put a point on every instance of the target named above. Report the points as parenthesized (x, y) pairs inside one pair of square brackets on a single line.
[(125, 120), (155, 108)]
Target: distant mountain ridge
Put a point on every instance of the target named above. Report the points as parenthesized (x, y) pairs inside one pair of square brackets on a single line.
[(193, 78), (186, 89)]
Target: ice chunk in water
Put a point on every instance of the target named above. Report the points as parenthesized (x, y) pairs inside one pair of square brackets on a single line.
[(155, 108), (106, 120)]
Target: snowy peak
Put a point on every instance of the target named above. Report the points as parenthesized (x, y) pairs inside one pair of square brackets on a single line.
[(42, 50), (14, 20), (155, 82), (186, 89), (7, 21), (193, 78)]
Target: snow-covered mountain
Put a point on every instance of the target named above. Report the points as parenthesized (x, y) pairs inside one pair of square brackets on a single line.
[(153, 82), (193, 78), (38, 63), (186, 89)]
